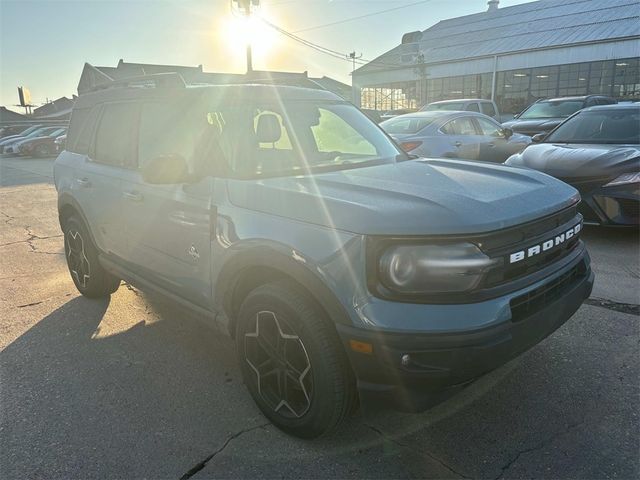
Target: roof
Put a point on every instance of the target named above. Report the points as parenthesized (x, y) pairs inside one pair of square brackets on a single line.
[(540, 24), (93, 76), (259, 92), (459, 100), (7, 115), (55, 109)]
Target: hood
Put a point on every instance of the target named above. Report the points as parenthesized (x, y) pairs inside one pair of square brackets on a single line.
[(536, 125), (577, 161), (416, 197)]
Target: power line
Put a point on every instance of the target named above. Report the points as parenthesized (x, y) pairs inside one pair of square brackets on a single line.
[(360, 16), (325, 50)]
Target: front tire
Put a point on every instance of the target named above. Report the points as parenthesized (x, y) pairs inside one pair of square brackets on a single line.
[(87, 274), (292, 361)]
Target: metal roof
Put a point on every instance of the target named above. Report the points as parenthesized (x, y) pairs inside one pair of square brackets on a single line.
[(540, 24)]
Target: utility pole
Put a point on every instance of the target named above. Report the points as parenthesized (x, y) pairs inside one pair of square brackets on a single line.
[(246, 6), (353, 58)]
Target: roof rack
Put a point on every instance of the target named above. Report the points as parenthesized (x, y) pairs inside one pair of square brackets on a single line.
[(158, 80)]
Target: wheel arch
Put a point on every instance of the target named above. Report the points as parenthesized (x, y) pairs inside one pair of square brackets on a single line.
[(67, 207), (249, 269)]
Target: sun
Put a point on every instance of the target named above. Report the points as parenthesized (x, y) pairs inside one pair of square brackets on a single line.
[(240, 30)]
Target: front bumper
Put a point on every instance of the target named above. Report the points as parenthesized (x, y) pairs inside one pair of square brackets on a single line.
[(615, 206), (441, 364)]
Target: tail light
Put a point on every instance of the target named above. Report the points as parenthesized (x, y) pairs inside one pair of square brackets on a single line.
[(408, 146)]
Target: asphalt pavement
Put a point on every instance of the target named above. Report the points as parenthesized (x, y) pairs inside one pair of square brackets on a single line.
[(136, 387)]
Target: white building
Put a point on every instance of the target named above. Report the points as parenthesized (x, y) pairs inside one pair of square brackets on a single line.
[(514, 55)]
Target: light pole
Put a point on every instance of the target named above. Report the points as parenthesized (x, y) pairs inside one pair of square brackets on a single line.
[(246, 6)]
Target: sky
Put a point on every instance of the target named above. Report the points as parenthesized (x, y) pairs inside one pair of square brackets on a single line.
[(45, 43)]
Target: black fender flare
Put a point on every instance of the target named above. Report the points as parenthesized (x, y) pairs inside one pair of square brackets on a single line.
[(271, 258)]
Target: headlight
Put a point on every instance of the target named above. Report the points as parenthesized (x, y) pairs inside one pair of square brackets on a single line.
[(433, 269), (625, 179)]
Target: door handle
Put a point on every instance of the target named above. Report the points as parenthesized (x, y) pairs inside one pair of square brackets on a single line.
[(458, 144), (133, 196), (83, 182), (491, 145)]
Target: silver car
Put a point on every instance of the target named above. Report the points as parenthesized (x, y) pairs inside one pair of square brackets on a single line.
[(466, 135)]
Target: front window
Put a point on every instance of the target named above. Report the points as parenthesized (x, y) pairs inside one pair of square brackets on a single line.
[(549, 109), (621, 126), (296, 137)]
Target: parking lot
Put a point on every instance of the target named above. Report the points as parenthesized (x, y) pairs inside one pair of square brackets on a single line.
[(136, 387)]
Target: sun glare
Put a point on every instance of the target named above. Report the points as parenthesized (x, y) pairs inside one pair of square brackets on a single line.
[(239, 30)]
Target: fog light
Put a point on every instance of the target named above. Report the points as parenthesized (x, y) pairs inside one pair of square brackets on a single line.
[(405, 360), (361, 347)]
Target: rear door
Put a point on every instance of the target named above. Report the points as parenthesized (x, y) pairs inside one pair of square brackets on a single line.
[(168, 227), (107, 139)]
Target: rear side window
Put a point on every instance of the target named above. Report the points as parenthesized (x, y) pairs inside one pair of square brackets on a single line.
[(473, 107), (172, 129), (488, 109), (84, 131), (114, 144), (78, 121)]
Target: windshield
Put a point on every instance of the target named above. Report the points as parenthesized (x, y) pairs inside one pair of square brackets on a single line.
[(620, 126), (450, 106), (245, 139), (406, 124), (556, 109)]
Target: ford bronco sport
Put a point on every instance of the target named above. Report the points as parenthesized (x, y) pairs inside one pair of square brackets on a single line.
[(346, 270)]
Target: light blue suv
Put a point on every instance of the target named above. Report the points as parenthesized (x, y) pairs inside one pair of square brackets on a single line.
[(346, 270)]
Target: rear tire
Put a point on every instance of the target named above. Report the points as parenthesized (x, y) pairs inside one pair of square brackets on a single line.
[(292, 361), (87, 274)]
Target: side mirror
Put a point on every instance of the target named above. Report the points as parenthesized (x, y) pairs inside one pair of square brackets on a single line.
[(538, 137), (166, 169), (508, 133)]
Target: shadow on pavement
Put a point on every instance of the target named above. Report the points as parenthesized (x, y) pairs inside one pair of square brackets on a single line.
[(80, 400)]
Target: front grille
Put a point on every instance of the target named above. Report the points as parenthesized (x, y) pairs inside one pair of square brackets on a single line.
[(533, 301), (629, 207), (525, 236)]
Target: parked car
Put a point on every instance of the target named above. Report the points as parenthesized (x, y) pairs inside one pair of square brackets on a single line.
[(372, 114), (394, 113), (545, 115), (345, 269), (471, 136), (10, 138), (11, 146), (61, 142), (40, 146), (488, 107), (12, 130), (597, 151)]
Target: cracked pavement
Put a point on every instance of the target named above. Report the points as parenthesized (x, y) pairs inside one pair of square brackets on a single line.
[(138, 388)]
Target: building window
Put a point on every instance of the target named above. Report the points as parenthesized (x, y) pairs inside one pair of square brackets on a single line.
[(466, 86), (394, 96)]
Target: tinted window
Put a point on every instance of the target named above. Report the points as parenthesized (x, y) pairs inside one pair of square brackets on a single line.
[(600, 126), (488, 109), (473, 107), (115, 136), (78, 120), (489, 128), (170, 129), (85, 127), (460, 126)]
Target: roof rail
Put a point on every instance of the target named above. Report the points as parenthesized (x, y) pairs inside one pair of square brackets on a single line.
[(157, 80)]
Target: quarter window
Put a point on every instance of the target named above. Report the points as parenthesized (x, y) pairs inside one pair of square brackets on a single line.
[(488, 109), (473, 107)]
